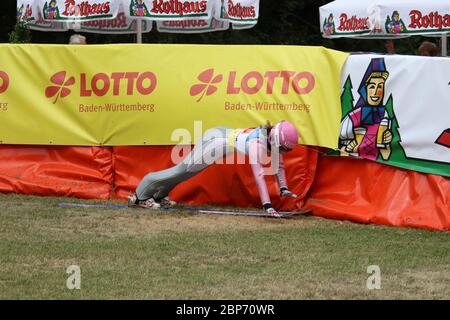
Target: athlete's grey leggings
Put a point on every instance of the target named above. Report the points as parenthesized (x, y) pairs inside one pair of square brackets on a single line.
[(212, 147)]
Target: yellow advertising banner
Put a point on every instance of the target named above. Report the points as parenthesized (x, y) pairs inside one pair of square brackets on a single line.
[(140, 94)]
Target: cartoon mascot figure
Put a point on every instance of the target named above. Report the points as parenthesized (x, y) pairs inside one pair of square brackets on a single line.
[(365, 131)]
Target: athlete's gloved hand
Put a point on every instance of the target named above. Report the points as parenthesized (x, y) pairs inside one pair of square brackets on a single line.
[(284, 192), (271, 211)]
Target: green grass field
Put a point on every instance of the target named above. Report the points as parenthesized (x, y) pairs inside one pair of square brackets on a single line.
[(139, 254)]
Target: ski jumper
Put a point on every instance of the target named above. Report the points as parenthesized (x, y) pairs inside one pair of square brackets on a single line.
[(211, 148)]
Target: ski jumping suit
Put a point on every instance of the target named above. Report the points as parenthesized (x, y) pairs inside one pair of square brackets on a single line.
[(216, 144)]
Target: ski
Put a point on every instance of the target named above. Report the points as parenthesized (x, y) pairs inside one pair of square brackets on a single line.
[(92, 205), (248, 213), (202, 210)]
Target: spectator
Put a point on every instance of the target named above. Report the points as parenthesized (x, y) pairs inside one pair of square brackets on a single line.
[(77, 39), (390, 46), (427, 49)]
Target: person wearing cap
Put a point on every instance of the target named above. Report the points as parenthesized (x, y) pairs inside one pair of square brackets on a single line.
[(259, 144)]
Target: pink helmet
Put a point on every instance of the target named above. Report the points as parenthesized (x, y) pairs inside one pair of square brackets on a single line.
[(284, 135)]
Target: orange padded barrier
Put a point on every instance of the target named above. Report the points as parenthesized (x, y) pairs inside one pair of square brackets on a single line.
[(340, 188), (84, 172), (369, 192)]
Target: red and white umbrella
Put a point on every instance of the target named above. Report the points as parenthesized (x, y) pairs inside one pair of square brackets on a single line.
[(137, 16), (386, 19)]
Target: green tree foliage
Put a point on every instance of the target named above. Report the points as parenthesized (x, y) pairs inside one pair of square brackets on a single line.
[(20, 35), (347, 97), (394, 124), (347, 106)]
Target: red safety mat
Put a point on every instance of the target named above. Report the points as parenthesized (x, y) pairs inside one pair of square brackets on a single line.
[(369, 192)]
